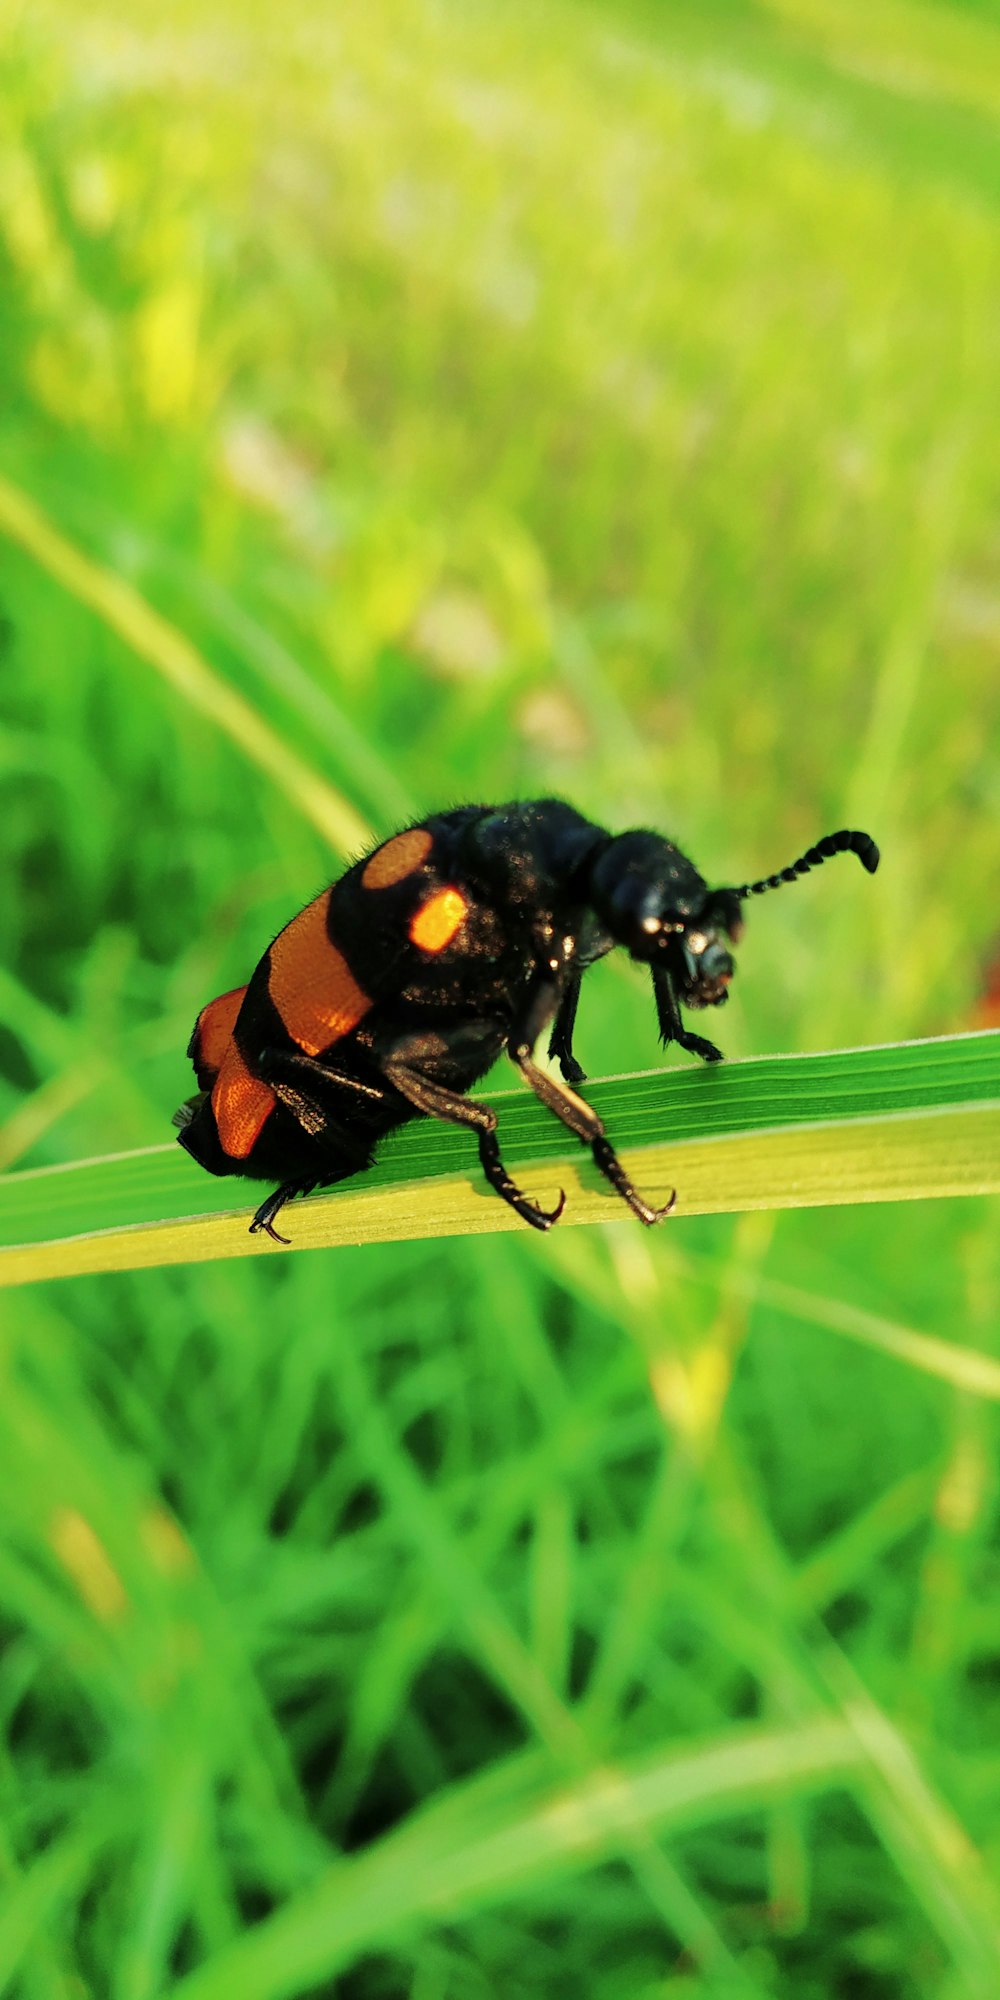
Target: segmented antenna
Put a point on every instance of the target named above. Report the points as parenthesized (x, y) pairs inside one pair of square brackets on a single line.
[(843, 842)]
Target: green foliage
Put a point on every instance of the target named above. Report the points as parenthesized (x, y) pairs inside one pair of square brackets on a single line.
[(552, 398), (906, 1122)]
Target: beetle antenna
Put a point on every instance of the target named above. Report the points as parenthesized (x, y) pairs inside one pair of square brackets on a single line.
[(843, 842)]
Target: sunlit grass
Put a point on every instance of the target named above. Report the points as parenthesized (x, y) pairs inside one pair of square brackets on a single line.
[(915, 1122), (418, 403)]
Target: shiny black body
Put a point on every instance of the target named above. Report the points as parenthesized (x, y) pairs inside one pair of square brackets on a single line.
[(543, 893)]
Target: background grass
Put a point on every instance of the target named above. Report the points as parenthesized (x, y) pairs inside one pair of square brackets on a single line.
[(560, 398)]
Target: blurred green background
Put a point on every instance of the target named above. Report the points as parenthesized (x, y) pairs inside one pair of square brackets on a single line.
[(588, 399)]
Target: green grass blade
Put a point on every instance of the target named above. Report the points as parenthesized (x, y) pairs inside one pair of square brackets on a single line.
[(153, 639), (900, 1122), (964, 1367), (31, 1900), (440, 1867)]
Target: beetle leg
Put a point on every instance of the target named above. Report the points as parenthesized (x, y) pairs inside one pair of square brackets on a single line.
[(264, 1218), (437, 1102), (561, 1038), (672, 1028), (577, 1116), (312, 1090), (315, 1096)]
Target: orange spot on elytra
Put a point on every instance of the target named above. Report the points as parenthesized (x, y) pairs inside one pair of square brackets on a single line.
[(434, 926), (397, 859), (213, 1032), (311, 983), (242, 1105)]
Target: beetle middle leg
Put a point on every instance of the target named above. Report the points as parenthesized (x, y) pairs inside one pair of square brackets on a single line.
[(400, 1065), (574, 1113)]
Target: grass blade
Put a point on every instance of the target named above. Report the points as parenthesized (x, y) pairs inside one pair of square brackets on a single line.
[(900, 1122), (437, 1869), (155, 640)]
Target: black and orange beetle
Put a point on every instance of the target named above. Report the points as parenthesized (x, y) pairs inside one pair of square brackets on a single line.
[(395, 990)]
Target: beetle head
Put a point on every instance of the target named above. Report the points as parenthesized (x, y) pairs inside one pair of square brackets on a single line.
[(654, 902)]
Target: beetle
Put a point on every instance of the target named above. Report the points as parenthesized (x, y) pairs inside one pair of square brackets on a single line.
[(465, 934)]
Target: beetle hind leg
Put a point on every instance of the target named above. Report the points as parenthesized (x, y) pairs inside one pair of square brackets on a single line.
[(264, 1218)]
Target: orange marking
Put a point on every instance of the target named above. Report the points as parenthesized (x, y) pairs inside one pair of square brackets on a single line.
[(435, 924), (213, 1033), (242, 1105), (311, 983), (399, 858)]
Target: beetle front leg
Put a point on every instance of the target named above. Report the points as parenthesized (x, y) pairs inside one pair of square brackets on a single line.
[(561, 1038), (672, 1028)]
